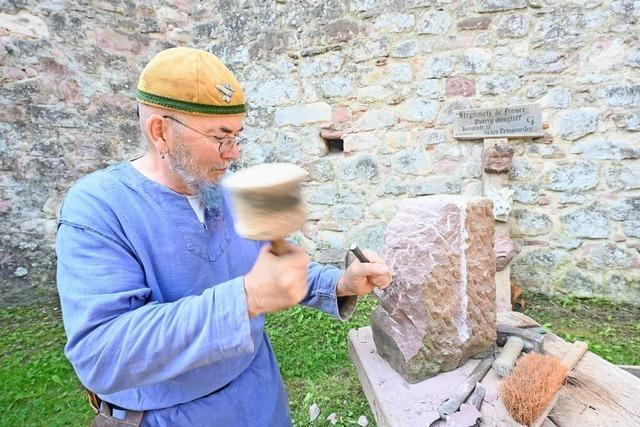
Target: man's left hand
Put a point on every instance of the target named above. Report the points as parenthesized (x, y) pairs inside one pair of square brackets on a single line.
[(361, 278)]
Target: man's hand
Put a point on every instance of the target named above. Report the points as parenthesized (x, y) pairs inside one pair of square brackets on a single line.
[(361, 278), (276, 282)]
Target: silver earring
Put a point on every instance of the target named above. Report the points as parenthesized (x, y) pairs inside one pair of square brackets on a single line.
[(162, 154)]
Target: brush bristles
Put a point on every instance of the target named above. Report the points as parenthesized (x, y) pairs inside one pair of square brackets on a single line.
[(531, 385)]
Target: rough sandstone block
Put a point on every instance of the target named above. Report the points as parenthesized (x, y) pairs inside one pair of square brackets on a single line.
[(440, 310)]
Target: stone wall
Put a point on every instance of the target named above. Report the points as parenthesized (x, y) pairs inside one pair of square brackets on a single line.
[(382, 75)]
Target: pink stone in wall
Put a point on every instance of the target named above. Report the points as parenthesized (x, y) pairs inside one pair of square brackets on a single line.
[(460, 86), (446, 167), (115, 42), (505, 250), (340, 115), (440, 309), (543, 199)]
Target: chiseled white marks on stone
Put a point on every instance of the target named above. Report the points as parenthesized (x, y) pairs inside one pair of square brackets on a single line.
[(462, 318), (502, 201)]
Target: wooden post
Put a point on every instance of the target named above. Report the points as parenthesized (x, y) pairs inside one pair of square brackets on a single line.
[(494, 184)]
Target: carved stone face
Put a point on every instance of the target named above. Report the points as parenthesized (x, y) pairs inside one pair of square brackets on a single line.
[(502, 200), (505, 250), (497, 159)]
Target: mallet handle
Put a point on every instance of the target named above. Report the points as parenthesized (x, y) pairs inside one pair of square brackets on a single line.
[(279, 247)]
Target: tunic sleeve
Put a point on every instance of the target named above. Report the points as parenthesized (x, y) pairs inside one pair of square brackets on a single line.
[(322, 282), (116, 338)]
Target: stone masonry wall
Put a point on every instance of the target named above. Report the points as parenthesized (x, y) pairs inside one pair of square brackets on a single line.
[(383, 75)]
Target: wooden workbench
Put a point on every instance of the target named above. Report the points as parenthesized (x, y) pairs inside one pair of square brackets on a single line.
[(597, 393)]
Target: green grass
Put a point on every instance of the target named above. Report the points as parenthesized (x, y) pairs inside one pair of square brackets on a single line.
[(312, 352), (38, 386), (611, 330)]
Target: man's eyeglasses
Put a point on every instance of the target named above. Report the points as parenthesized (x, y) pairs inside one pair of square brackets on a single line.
[(225, 144)]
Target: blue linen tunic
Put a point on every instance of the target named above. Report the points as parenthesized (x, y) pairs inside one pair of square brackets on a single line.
[(154, 306)]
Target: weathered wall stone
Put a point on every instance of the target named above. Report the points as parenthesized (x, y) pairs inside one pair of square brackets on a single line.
[(384, 75)]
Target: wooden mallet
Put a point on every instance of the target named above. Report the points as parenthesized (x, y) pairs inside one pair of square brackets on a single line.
[(267, 202)]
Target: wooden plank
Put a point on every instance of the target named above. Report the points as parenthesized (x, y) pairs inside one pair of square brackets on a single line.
[(383, 418), (632, 369), (597, 393), (393, 401)]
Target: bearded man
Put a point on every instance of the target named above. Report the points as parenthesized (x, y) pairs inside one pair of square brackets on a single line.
[(163, 302)]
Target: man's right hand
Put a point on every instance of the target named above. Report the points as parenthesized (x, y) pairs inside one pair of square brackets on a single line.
[(276, 282)]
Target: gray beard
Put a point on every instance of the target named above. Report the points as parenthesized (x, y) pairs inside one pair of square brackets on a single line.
[(182, 164)]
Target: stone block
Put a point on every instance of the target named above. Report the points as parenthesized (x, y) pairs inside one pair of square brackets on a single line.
[(515, 25), (434, 22), (405, 49), (375, 119), (574, 124), (394, 22), (621, 95), (573, 177), (606, 148), (622, 177), (587, 223), (500, 5), (440, 309), (499, 85), (419, 110), (460, 85), (302, 114), (476, 23)]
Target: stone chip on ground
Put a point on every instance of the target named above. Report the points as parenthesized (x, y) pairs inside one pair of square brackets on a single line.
[(314, 412)]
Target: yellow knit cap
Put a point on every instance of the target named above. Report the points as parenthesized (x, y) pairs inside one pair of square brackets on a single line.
[(190, 80)]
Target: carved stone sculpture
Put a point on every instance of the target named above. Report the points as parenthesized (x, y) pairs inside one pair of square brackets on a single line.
[(440, 309), (502, 200), (497, 159), (505, 250)]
